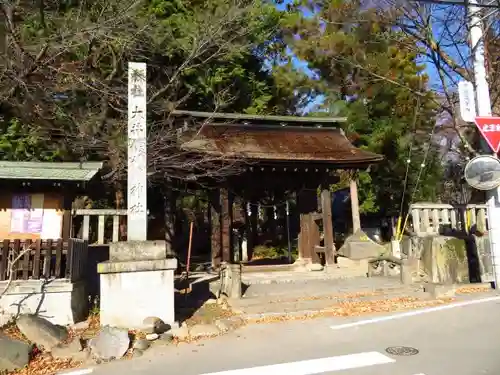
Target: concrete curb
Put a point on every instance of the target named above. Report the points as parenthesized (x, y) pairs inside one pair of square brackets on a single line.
[(311, 312), (301, 313), (292, 280)]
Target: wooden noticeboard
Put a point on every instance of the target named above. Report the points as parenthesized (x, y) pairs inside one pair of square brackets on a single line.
[(31, 216)]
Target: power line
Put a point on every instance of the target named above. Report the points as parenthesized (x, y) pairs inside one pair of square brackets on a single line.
[(465, 3)]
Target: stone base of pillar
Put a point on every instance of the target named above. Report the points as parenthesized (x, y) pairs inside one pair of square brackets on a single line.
[(134, 290), (406, 271), (301, 264), (231, 285)]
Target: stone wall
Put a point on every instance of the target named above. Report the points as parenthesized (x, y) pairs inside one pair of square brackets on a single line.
[(444, 260), (447, 259), (59, 301)]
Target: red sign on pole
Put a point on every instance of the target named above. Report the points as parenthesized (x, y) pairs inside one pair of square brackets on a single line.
[(490, 129)]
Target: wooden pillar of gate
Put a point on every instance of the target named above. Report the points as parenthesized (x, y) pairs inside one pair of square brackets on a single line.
[(215, 229), (309, 236), (328, 234), (226, 225)]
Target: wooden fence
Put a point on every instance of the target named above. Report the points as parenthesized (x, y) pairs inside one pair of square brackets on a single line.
[(100, 225), (434, 218), (43, 259)]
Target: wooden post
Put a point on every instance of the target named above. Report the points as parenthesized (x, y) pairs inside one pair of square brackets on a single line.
[(326, 210), (356, 221), (308, 204), (215, 228), (304, 250), (67, 217), (226, 227), (314, 238), (253, 237)]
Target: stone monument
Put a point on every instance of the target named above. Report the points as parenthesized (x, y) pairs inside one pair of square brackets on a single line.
[(138, 280)]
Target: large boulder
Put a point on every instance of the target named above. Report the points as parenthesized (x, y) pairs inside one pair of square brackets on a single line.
[(359, 246), (14, 354), (40, 331), (110, 343), (444, 259)]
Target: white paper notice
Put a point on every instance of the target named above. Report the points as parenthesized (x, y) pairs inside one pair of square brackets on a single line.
[(52, 225)]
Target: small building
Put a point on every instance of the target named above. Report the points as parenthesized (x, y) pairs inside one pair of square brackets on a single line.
[(42, 268), (284, 155), (36, 198)]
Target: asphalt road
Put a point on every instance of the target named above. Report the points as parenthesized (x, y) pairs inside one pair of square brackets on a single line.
[(462, 341)]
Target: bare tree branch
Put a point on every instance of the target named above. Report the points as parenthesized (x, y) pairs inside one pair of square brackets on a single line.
[(11, 269)]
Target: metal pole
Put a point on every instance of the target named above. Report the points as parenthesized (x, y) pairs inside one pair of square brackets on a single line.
[(288, 232), (484, 109)]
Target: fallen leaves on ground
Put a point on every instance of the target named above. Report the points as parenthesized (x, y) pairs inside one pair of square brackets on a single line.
[(41, 363), (44, 364), (356, 308), (375, 293), (473, 289), (209, 313), (332, 296), (93, 328), (10, 330)]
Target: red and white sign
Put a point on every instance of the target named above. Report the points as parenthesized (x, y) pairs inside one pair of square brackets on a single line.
[(490, 129)]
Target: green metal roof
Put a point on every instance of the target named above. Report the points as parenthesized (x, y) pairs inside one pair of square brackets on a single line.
[(32, 170)]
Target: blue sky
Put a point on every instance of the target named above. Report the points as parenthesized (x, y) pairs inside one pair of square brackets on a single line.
[(301, 64)]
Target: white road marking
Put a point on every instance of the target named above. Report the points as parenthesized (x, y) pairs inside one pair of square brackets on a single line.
[(415, 312), (84, 371), (314, 366)]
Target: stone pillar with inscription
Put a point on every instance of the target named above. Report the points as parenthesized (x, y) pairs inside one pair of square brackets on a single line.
[(137, 218), (138, 280)]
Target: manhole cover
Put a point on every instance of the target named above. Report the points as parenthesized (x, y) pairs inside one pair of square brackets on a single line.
[(401, 350)]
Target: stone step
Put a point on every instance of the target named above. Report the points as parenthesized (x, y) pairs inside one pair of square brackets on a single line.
[(313, 287), (314, 305), (287, 277), (334, 295)]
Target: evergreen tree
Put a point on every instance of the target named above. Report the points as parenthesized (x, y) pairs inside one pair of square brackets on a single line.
[(366, 72)]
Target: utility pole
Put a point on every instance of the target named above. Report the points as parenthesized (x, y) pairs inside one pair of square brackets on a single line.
[(484, 109), (483, 104)]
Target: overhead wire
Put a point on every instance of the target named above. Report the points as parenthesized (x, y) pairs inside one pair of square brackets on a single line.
[(491, 5), (408, 162), (419, 176)]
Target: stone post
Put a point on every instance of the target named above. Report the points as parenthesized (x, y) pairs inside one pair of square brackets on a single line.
[(396, 248), (235, 271), (137, 217), (406, 271), (137, 282), (231, 280)]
